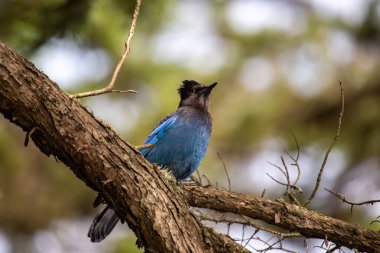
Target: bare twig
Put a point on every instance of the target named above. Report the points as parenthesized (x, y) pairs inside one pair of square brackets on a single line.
[(228, 228), (251, 237), (28, 134), (121, 91), (295, 161), (352, 204), (291, 189), (245, 221), (343, 198), (197, 179), (242, 234), (208, 181), (306, 245), (139, 147), (337, 134), (333, 249), (225, 169), (271, 246), (374, 221), (330, 248), (286, 175), (199, 176), (277, 181), (265, 242), (278, 167), (109, 87)]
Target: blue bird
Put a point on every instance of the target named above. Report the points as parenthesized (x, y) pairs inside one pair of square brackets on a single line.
[(179, 143)]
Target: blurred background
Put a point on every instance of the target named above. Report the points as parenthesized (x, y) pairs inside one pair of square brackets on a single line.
[(277, 63)]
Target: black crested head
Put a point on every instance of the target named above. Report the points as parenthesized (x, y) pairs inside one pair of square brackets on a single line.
[(188, 88), (195, 94)]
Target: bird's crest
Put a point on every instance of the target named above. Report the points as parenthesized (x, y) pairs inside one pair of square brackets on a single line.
[(189, 86)]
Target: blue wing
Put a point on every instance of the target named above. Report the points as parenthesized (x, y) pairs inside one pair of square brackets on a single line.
[(158, 133)]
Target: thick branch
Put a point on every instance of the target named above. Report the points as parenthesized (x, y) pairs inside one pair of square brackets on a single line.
[(152, 206), (285, 215)]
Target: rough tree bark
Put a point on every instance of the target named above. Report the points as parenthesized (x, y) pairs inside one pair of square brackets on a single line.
[(155, 208)]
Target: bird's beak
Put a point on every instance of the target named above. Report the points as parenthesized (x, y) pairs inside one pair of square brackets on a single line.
[(209, 88)]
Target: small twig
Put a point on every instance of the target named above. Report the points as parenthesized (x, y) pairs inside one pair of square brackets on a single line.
[(109, 87), (289, 187), (337, 134), (292, 189), (343, 198), (225, 169), (228, 228), (293, 199), (122, 91), (295, 160), (306, 245), (263, 193), (374, 221), (352, 204), (196, 180), (139, 147), (251, 237), (270, 247), (278, 167), (243, 220), (199, 176), (286, 175), (333, 249), (277, 181), (208, 181), (330, 248), (326, 241), (28, 134), (243, 234)]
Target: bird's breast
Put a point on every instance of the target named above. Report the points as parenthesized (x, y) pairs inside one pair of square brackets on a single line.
[(183, 146)]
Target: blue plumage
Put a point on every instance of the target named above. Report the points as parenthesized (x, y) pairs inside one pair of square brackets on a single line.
[(179, 141), (158, 133)]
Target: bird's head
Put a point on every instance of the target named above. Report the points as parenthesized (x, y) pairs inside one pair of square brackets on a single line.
[(195, 94)]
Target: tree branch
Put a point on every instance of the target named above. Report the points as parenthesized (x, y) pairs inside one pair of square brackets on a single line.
[(288, 216), (152, 206)]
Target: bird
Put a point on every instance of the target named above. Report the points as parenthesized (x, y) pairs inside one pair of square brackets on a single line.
[(178, 143)]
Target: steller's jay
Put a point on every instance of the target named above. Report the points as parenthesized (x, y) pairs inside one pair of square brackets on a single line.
[(179, 141)]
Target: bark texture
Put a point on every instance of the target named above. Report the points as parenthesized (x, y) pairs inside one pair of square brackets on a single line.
[(153, 206)]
